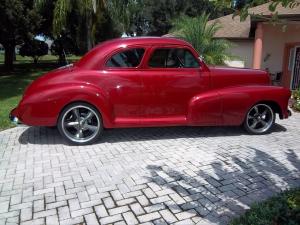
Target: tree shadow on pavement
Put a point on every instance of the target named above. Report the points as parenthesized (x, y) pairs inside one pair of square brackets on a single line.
[(44, 135), (225, 188)]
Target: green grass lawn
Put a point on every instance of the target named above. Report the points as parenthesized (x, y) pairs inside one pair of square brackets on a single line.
[(43, 59), (283, 209), (12, 84)]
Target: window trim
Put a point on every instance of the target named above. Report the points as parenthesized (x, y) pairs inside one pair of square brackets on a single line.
[(155, 47), (119, 50)]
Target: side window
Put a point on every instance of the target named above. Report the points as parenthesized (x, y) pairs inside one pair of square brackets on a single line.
[(127, 58), (173, 58)]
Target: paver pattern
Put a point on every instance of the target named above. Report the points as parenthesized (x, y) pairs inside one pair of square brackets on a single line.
[(179, 175)]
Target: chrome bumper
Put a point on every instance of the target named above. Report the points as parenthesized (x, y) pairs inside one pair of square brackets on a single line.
[(14, 119)]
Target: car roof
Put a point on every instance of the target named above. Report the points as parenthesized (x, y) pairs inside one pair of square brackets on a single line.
[(146, 41), (92, 58)]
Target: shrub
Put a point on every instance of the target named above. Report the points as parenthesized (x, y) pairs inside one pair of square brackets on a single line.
[(296, 99), (283, 209), (34, 48), (63, 46)]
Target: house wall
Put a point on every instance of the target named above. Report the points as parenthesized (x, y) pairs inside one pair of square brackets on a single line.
[(274, 40), (243, 50)]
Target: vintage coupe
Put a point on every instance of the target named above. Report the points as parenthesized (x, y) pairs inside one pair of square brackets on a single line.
[(143, 82)]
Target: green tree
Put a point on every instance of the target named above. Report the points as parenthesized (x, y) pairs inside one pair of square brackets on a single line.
[(90, 12), (19, 21), (63, 46), (124, 14), (156, 17), (46, 14), (75, 26), (200, 34), (106, 28), (34, 49)]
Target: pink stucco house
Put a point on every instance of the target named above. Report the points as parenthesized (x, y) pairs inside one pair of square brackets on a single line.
[(260, 44)]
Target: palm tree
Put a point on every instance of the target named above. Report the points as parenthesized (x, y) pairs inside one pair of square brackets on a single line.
[(200, 34), (90, 11)]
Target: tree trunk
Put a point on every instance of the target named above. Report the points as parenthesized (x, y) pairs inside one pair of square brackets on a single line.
[(62, 61), (89, 40), (15, 56), (9, 56)]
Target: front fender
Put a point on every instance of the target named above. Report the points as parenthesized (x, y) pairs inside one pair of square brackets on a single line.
[(236, 101), (228, 106), (42, 107)]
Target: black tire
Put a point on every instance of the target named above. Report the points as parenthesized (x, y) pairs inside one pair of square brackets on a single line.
[(259, 119), (80, 123)]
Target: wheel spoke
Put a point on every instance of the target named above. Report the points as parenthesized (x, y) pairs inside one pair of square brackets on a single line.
[(256, 109), (88, 116), (72, 124), (264, 123), (91, 127), (264, 113), (76, 113), (79, 134), (254, 124)]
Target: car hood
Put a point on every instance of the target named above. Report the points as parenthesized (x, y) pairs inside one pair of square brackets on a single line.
[(235, 70), (228, 76)]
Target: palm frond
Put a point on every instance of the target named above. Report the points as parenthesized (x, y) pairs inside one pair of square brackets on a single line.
[(200, 34)]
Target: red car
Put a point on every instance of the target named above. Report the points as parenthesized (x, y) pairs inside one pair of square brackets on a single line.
[(143, 82)]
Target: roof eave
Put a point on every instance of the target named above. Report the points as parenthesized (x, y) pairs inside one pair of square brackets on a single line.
[(266, 18)]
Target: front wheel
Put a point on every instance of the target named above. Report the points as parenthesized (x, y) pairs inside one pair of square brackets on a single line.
[(80, 123), (260, 119)]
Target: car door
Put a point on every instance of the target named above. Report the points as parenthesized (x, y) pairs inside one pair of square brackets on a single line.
[(171, 77), (123, 84)]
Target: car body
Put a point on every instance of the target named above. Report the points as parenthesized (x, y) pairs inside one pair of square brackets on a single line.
[(148, 81)]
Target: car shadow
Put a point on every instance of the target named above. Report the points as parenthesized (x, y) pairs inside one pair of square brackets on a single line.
[(45, 135)]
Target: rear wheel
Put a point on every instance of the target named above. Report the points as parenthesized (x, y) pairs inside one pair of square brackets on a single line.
[(260, 119), (80, 123)]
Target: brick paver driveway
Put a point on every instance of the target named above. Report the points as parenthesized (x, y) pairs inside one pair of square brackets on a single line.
[(144, 176)]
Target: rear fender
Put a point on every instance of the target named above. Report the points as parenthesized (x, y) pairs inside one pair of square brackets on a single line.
[(46, 104)]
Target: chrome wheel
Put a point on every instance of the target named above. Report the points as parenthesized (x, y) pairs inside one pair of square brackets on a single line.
[(80, 123), (260, 119)]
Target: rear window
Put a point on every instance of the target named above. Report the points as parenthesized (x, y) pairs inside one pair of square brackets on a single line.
[(173, 58), (128, 58)]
